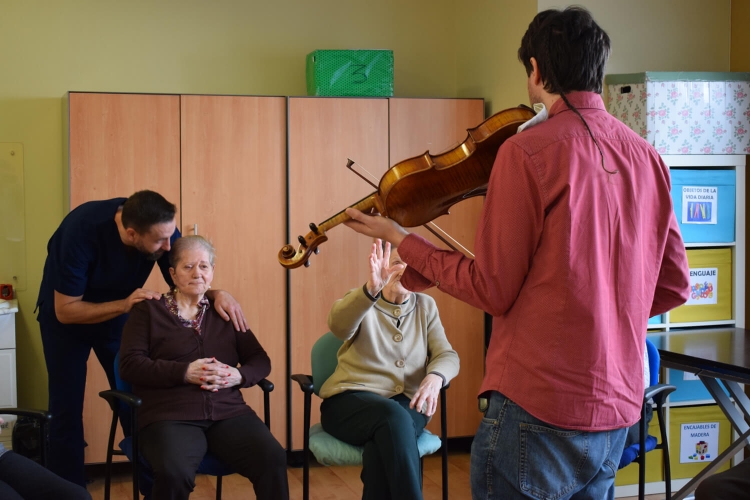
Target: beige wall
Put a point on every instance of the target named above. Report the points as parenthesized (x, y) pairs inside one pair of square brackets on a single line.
[(442, 48), (662, 35), (178, 46), (740, 49), (646, 36), (488, 37)]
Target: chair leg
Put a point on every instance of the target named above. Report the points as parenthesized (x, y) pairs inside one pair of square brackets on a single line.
[(306, 450), (108, 463), (136, 453), (444, 439), (642, 453), (665, 450), (218, 487)]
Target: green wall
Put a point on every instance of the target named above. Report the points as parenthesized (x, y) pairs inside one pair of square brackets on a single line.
[(442, 48), (178, 46)]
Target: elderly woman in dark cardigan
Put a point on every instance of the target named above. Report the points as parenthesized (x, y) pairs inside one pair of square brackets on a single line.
[(182, 359)]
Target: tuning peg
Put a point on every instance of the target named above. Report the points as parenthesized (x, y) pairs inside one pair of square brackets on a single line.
[(307, 263), (314, 228), (317, 251), (302, 241)]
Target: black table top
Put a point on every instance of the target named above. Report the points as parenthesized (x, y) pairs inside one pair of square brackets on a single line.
[(718, 352)]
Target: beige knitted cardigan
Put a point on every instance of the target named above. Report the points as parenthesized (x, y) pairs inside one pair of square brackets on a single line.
[(388, 348)]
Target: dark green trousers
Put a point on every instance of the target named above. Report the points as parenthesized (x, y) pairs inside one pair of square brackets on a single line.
[(388, 429)]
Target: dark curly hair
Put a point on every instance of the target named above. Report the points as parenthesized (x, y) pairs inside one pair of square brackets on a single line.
[(570, 49)]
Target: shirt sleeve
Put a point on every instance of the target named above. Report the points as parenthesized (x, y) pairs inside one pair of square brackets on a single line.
[(75, 254), (673, 283), (136, 366), (443, 359), (508, 234), (254, 362), (347, 313)]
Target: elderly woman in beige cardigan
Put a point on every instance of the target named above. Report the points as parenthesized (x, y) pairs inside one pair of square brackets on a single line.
[(394, 360)]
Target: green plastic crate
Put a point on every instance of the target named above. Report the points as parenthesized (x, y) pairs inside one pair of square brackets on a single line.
[(350, 73)]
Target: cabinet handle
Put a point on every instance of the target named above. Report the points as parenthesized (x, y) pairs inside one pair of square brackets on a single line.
[(195, 229)]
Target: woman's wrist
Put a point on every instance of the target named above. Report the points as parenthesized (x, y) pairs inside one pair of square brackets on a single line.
[(372, 290)]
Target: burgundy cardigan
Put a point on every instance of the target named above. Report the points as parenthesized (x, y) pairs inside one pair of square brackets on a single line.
[(155, 353)]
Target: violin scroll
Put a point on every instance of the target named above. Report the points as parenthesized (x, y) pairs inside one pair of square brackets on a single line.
[(292, 258)]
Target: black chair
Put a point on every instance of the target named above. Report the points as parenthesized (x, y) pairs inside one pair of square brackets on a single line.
[(324, 361), (43, 417), (657, 393), (123, 398)]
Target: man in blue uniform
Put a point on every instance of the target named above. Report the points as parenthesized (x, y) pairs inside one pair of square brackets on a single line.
[(97, 263)]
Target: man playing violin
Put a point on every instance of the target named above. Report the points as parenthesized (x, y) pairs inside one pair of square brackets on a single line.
[(577, 246)]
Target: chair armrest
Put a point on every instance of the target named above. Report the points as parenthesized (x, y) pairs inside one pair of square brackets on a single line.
[(37, 414), (305, 382), (661, 390), (266, 385), (113, 396)]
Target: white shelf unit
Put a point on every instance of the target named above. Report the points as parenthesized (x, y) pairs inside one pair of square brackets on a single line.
[(738, 246), (8, 391)]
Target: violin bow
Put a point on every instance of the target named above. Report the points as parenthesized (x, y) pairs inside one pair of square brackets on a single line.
[(439, 233)]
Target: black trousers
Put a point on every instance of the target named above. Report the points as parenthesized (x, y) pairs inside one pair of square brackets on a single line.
[(24, 479), (731, 484), (174, 449), (388, 429), (66, 351)]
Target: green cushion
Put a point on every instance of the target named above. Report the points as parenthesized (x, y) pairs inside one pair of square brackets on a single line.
[(330, 451)]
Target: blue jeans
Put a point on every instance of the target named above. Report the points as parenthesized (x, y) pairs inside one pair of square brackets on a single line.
[(515, 455)]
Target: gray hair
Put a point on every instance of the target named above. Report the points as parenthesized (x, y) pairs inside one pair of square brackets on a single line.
[(190, 242)]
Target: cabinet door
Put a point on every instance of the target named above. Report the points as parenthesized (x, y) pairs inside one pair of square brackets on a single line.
[(234, 194), (119, 144), (437, 125), (323, 134)]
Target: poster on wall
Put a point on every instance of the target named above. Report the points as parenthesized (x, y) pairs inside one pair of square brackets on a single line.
[(699, 442), (699, 204), (704, 286)]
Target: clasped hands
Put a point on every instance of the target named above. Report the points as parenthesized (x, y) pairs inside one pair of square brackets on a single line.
[(211, 374)]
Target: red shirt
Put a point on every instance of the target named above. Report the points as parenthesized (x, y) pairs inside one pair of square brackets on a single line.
[(571, 261)]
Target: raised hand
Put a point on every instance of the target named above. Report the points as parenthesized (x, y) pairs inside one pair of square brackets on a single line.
[(380, 269)]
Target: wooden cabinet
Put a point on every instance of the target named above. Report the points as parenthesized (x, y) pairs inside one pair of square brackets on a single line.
[(375, 133), (118, 144), (437, 125), (234, 194), (223, 161), (323, 133)]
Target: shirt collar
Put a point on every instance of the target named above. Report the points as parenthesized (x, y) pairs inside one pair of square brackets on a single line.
[(581, 100)]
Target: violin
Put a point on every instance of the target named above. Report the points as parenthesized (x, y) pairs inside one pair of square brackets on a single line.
[(418, 190)]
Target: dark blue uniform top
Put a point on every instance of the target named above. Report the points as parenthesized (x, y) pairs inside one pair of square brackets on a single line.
[(86, 257)]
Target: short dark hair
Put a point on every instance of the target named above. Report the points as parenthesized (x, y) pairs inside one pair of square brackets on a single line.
[(570, 49), (144, 209)]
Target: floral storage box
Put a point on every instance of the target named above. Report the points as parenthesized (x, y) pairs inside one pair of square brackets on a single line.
[(685, 113)]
